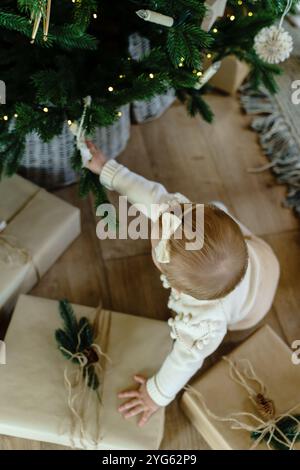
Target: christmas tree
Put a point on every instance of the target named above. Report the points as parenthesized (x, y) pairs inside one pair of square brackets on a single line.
[(55, 53)]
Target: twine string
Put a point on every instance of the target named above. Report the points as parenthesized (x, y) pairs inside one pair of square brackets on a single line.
[(262, 427), (79, 394), (14, 256), (286, 10)]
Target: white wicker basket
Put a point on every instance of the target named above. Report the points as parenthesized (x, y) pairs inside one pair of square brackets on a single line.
[(48, 164), (113, 139), (143, 111)]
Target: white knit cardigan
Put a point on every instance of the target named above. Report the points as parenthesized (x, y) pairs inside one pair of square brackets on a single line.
[(199, 326)]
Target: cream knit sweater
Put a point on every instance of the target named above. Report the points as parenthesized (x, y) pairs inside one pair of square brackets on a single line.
[(198, 327)]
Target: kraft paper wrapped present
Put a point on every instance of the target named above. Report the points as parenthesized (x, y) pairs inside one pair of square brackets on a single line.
[(217, 394), (230, 75), (36, 228), (33, 394)]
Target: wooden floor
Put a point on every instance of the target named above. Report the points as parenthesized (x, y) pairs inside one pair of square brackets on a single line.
[(205, 162)]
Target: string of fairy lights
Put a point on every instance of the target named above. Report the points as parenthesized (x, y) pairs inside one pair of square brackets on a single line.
[(112, 88)]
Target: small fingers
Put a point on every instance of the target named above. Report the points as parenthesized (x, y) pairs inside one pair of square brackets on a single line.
[(130, 404), (92, 148), (128, 394), (91, 145), (145, 418), (140, 379), (135, 411)]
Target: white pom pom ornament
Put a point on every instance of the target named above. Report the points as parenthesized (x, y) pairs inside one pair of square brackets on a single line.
[(273, 44)]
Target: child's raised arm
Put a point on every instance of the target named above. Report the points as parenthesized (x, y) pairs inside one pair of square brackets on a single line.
[(117, 177)]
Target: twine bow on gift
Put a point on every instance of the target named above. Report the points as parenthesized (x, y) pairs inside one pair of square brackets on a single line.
[(279, 431), (11, 254), (77, 342)]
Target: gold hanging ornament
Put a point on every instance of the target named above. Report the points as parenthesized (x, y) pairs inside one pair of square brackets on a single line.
[(43, 13)]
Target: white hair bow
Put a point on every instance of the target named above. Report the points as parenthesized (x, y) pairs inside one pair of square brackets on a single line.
[(170, 223)]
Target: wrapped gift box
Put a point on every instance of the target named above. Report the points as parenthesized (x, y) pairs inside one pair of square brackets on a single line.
[(33, 398), (230, 75), (39, 227), (271, 361)]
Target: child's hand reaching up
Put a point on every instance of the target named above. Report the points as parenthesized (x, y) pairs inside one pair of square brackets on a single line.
[(139, 402), (99, 159)]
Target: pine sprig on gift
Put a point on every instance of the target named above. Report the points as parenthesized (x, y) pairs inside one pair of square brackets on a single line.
[(87, 334), (76, 339), (288, 426), (69, 319)]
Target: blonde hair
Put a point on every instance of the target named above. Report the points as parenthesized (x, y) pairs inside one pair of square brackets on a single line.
[(217, 268)]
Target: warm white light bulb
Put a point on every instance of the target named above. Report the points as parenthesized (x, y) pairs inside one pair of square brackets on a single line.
[(45, 110), (110, 88), (151, 75)]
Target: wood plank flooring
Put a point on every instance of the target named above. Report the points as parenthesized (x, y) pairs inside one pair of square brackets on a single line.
[(205, 162)]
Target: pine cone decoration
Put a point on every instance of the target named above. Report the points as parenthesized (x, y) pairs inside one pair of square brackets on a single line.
[(91, 355), (265, 406)]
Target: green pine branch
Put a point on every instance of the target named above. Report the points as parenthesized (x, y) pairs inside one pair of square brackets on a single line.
[(185, 42), (197, 105), (77, 337), (83, 12), (84, 56), (69, 319), (87, 334), (261, 72)]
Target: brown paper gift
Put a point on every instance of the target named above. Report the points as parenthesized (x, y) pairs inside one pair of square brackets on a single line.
[(33, 397), (230, 75), (40, 226), (272, 362)]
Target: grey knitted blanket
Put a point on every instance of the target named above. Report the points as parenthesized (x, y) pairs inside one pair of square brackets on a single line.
[(277, 123)]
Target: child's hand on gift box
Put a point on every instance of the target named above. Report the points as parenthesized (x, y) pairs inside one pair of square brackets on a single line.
[(98, 158), (139, 402)]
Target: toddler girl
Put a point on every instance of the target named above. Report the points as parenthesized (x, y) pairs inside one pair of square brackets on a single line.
[(227, 284)]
